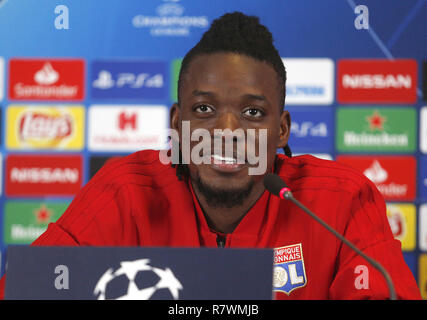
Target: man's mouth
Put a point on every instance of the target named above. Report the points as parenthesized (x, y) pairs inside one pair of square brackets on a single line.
[(223, 160), (225, 164)]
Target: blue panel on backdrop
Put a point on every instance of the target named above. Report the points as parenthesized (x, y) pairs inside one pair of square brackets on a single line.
[(312, 129), (2, 260), (129, 80), (411, 261)]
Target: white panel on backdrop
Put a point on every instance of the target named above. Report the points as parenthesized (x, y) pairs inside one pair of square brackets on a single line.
[(309, 81), (127, 128)]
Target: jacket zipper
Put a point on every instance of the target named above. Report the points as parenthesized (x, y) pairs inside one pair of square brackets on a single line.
[(220, 241)]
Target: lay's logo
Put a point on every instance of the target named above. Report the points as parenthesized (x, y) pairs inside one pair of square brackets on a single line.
[(402, 220), (38, 125), (45, 127)]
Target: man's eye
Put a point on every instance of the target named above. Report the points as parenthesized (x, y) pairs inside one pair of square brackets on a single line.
[(254, 113), (203, 109)]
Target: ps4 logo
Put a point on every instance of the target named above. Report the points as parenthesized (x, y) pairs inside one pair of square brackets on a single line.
[(131, 80), (308, 128)]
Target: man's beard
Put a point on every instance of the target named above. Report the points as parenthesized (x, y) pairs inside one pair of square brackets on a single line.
[(222, 198)]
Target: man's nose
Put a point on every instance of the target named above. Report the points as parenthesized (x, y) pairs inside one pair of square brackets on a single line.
[(228, 120), (228, 127)]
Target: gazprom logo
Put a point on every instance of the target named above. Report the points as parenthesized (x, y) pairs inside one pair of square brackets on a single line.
[(301, 90), (310, 81)]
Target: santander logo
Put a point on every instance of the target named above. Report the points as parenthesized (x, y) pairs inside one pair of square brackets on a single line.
[(376, 173), (380, 177), (46, 79), (394, 176), (47, 75)]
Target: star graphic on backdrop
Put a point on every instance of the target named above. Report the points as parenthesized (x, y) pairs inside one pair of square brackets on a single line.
[(376, 121), (43, 214)]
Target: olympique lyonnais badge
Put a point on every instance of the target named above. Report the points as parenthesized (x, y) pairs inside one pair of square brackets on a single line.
[(289, 270)]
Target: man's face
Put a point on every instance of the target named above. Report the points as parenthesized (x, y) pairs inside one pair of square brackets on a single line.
[(231, 91)]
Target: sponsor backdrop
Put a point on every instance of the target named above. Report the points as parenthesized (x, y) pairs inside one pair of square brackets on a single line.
[(84, 82)]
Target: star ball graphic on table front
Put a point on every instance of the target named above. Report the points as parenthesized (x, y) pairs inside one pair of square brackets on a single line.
[(140, 280)]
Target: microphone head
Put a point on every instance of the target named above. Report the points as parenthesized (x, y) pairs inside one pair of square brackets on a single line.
[(274, 184)]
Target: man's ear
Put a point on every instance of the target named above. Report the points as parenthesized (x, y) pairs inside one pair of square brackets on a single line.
[(174, 116), (285, 129)]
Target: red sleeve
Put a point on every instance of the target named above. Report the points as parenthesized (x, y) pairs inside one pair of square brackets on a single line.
[(369, 230), (100, 215)]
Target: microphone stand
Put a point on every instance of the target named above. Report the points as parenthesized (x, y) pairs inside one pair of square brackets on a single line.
[(289, 196)]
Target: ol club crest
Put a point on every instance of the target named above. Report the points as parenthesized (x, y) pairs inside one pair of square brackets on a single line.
[(289, 270)]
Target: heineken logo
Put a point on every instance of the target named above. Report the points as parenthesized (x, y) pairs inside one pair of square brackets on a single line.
[(376, 121), (43, 214), (380, 129), (25, 221)]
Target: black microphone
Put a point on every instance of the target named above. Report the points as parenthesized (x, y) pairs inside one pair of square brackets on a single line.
[(274, 184)]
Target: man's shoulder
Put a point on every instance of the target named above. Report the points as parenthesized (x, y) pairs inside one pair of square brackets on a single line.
[(307, 171), (116, 182), (141, 168)]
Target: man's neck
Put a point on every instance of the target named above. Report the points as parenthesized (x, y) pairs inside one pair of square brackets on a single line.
[(223, 219)]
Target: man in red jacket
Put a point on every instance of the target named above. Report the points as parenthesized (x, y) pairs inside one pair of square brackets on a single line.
[(234, 79)]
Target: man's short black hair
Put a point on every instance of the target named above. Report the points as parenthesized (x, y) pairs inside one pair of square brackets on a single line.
[(238, 33), (242, 34)]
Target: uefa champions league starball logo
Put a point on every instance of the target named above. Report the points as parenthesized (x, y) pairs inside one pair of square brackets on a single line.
[(137, 280)]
